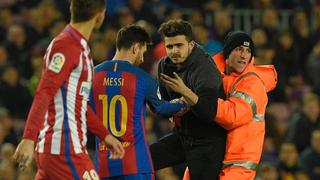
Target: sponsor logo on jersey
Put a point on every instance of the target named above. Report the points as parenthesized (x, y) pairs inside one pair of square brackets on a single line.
[(85, 89), (57, 62)]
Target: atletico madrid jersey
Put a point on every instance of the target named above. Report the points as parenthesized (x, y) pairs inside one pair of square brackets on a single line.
[(119, 96), (59, 112)]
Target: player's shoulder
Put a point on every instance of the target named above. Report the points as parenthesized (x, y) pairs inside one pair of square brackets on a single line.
[(142, 73), (104, 65), (119, 65), (123, 66), (64, 41)]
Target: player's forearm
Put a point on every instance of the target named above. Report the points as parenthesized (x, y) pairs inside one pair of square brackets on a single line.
[(166, 109), (46, 90), (37, 114), (95, 125)]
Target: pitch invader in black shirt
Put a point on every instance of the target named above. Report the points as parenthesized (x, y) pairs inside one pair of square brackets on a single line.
[(196, 140)]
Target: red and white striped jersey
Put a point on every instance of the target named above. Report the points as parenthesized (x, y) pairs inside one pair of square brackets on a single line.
[(59, 110)]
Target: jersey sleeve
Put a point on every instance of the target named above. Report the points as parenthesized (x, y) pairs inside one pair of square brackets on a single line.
[(62, 60), (95, 125), (239, 108), (206, 83), (157, 105)]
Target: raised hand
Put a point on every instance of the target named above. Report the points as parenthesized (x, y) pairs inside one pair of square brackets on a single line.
[(175, 83)]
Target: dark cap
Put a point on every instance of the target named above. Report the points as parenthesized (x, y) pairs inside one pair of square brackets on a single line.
[(235, 39)]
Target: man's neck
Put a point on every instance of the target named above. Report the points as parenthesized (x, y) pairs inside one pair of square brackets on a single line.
[(227, 70), (84, 28), (123, 56)]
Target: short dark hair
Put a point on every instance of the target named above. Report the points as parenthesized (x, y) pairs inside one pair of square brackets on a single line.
[(131, 34), (84, 10), (173, 28)]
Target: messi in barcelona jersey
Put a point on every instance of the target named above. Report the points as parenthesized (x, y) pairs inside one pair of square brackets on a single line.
[(119, 96)]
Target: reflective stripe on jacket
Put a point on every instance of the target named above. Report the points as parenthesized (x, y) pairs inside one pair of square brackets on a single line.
[(242, 114)]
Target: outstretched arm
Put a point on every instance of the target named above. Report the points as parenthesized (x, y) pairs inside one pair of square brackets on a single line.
[(159, 106)]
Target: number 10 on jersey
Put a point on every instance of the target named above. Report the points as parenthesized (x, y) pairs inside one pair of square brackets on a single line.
[(109, 113)]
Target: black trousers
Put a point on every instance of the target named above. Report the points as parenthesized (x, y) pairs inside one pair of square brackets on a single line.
[(203, 156)]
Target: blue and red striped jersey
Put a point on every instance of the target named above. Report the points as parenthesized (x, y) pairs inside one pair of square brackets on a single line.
[(119, 96)]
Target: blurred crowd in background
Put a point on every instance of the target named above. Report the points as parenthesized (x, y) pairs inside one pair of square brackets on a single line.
[(286, 34)]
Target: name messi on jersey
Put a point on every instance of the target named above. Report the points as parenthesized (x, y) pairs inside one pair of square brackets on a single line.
[(110, 81)]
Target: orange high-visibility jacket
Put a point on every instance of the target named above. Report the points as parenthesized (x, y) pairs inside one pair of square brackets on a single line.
[(242, 114)]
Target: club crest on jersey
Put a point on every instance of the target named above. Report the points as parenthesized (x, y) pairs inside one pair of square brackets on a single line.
[(57, 62)]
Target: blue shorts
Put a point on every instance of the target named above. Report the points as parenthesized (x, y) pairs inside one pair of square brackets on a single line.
[(132, 177)]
